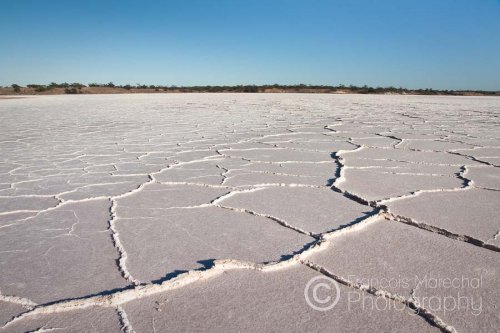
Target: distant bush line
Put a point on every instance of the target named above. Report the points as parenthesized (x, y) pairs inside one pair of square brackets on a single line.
[(76, 88)]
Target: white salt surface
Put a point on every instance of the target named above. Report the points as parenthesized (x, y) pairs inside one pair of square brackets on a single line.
[(211, 212)]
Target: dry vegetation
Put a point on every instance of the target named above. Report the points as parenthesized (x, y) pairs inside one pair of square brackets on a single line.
[(110, 88)]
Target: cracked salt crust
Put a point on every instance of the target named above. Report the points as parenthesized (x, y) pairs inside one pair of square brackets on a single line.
[(63, 253), (375, 185), (399, 258), (106, 202), (185, 239), (91, 319), (467, 212), (248, 300), (484, 177), (317, 210)]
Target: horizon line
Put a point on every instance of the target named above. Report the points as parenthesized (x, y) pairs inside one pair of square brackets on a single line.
[(110, 84)]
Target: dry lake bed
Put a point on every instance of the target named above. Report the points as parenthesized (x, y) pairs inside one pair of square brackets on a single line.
[(249, 212)]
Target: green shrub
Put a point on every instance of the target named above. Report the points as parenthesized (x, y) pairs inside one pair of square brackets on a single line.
[(17, 88)]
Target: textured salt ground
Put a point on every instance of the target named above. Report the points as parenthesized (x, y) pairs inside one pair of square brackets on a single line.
[(485, 177), (241, 178), (92, 319), (316, 210), (9, 310), (184, 239), (399, 258), (374, 185), (9, 204), (427, 157), (249, 300), (402, 167), (62, 253), (431, 145), (470, 212), (105, 202), (197, 173)]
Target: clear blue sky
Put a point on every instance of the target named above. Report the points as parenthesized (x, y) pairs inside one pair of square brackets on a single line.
[(444, 44)]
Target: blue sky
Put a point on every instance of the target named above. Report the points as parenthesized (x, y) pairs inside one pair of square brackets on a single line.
[(444, 44)]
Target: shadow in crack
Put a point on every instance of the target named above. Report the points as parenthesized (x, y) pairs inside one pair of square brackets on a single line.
[(299, 251), (346, 194), (336, 158), (169, 276), (359, 219), (207, 264), (330, 181), (102, 293)]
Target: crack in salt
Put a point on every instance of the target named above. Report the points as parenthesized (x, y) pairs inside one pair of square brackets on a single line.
[(122, 254), (122, 315), (467, 184), (134, 292), (464, 238), (24, 302), (427, 315)]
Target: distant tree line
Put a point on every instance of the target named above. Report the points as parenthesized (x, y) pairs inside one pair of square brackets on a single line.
[(76, 88)]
